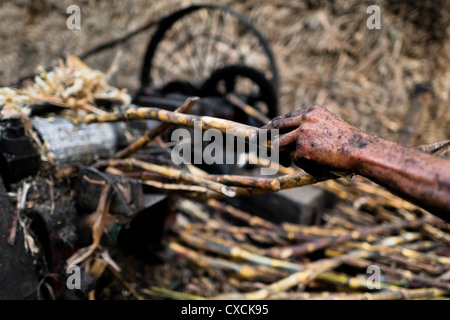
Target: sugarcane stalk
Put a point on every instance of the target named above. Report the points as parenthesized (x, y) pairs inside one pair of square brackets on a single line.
[(358, 282), (244, 271), (148, 179), (437, 148), (248, 185), (169, 187), (301, 178), (405, 274), (445, 276), (437, 234), (253, 185), (303, 295), (421, 245), (391, 241), (298, 179), (207, 223), (141, 175), (224, 126), (322, 231), (249, 110), (168, 172), (264, 236), (255, 272), (393, 294), (406, 294), (206, 234), (386, 228), (195, 170), (395, 256), (195, 210), (309, 272), (411, 254), (150, 134), (310, 296), (166, 293), (268, 184), (252, 158), (255, 221), (362, 184), (359, 217), (231, 250), (261, 235), (252, 220), (412, 264)]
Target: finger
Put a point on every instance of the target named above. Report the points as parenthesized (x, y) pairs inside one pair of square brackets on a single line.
[(288, 138), (284, 120), (271, 123), (285, 123)]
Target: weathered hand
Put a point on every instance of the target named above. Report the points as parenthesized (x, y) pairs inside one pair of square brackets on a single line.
[(320, 137), (320, 140)]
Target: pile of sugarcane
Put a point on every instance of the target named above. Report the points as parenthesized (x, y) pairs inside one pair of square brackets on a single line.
[(408, 248), (371, 245)]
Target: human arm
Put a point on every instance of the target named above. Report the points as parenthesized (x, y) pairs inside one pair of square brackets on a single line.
[(318, 136)]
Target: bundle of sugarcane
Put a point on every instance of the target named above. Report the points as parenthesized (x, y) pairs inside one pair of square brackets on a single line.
[(370, 230), (392, 259), (372, 245)]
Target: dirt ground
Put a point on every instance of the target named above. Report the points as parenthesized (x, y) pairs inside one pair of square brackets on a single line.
[(325, 53)]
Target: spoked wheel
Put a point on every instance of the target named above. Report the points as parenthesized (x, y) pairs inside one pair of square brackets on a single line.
[(248, 85), (198, 46)]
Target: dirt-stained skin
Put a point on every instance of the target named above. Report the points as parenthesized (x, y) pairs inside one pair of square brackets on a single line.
[(319, 137)]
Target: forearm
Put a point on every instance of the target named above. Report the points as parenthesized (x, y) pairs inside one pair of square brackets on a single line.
[(322, 138), (416, 176)]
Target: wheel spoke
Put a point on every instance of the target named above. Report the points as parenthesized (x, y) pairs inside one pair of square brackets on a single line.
[(191, 55), (213, 51), (163, 59)]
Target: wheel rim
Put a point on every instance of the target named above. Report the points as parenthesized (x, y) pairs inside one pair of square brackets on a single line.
[(178, 51), (246, 83)]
